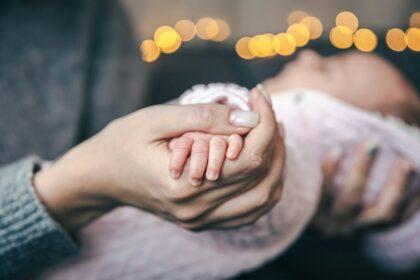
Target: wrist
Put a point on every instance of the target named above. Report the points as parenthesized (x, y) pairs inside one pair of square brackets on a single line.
[(69, 195)]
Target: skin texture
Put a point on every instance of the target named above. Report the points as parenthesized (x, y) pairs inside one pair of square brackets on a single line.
[(122, 165), (371, 83)]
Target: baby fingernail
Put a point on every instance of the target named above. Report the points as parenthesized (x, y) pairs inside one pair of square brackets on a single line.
[(372, 148), (195, 182), (174, 174), (244, 118), (211, 175)]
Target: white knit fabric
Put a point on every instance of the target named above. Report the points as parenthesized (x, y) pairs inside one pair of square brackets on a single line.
[(131, 244)]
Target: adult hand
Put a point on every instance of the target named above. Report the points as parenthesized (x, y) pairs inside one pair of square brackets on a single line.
[(126, 164), (344, 212)]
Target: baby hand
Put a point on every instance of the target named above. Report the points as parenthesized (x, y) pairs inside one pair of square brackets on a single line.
[(206, 152)]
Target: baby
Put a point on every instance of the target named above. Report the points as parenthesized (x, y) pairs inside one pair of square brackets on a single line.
[(130, 244)]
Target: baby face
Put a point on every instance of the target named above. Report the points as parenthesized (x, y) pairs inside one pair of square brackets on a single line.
[(364, 80)]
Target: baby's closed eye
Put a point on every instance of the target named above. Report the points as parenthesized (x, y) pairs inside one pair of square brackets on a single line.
[(207, 153)]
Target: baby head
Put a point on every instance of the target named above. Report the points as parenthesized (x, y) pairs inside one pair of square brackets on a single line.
[(364, 80)]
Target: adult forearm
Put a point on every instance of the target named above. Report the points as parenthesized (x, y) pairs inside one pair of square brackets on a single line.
[(29, 238)]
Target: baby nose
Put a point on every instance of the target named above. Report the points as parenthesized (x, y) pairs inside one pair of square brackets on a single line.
[(310, 58)]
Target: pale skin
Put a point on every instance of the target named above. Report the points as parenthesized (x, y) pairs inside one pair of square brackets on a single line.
[(123, 164), (343, 77)]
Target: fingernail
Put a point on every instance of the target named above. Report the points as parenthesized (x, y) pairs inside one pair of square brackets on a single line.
[(261, 88), (244, 118), (174, 174), (211, 175), (230, 155), (336, 153), (195, 182), (372, 148)]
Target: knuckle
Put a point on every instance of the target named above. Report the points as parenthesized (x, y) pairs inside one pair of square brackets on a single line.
[(181, 144), (218, 142), (200, 148), (255, 161), (205, 114), (177, 193)]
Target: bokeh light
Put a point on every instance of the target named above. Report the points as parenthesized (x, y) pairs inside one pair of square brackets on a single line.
[(207, 28), (341, 37), (186, 29), (300, 33), (396, 39), (252, 46), (241, 48), (413, 38), (314, 26), (365, 40), (296, 17), (415, 20), (149, 50), (284, 44), (167, 39), (264, 46), (347, 19), (223, 30)]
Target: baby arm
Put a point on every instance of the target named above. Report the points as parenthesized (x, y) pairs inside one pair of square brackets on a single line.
[(207, 153)]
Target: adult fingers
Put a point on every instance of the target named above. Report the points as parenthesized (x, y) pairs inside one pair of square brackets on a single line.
[(217, 153), (386, 207), (168, 121), (349, 199), (258, 140), (330, 167), (181, 148), (254, 199)]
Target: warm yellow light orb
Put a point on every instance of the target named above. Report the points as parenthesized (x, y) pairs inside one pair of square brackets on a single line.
[(413, 38), (207, 28), (396, 39), (341, 37), (296, 16), (252, 46), (314, 26), (186, 29), (347, 19), (160, 31), (300, 33), (284, 44), (241, 48), (149, 50), (167, 39), (223, 30), (415, 20), (264, 45), (365, 40)]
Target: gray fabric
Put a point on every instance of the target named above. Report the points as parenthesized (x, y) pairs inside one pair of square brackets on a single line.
[(66, 69), (29, 238)]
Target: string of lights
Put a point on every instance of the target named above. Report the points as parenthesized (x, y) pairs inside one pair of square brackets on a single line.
[(301, 29)]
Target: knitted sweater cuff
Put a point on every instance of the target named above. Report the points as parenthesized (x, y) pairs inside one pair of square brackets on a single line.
[(29, 238)]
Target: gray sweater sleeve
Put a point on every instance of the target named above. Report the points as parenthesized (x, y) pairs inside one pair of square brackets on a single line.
[(29, 238)]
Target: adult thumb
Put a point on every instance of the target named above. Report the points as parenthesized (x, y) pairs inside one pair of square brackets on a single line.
[(167, 121)]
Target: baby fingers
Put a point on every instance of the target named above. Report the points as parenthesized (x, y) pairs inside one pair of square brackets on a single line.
[(198, 161), (236, 143), (181, 148), (217, 151)]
